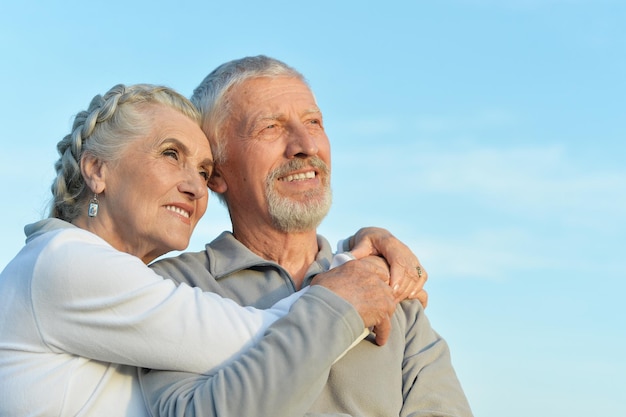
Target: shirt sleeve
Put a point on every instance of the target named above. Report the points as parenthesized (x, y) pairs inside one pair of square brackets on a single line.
[(280, 377), (92, 300), (429, 380), (343, 245)]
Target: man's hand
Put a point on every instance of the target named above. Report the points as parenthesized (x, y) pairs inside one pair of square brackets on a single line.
[(408, 276), (363, 283)]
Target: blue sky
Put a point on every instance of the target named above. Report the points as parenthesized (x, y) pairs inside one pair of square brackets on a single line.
[(488, 135)]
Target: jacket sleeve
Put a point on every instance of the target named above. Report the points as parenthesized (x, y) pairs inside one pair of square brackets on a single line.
[(94, 301), (430, 385), (280, 377)]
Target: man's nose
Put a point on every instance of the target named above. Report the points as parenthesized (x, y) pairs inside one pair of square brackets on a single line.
[(301, 143)]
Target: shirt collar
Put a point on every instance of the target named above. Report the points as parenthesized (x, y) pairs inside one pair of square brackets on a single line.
[(227, 255)]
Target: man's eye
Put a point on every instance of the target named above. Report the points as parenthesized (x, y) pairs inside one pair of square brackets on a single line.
[(269, 131)]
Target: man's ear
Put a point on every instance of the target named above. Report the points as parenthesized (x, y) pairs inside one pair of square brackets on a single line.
[(94, 173), (217, 183)]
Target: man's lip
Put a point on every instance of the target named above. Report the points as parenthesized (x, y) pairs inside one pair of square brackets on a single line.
[(307, 174)]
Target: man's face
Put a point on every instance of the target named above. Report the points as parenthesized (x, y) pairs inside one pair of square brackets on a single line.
[(277, 167)]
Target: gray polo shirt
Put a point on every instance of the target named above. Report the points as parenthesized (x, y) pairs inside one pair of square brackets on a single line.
[(287, 373)]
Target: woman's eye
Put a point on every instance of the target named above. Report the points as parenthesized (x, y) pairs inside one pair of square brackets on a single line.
[(172, 153)]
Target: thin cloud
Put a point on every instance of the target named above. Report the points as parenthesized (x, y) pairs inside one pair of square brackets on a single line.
[(480, 120), (529, 181), (531, 5), (370, 127), (494, 255), (544, 206), (485, 119)]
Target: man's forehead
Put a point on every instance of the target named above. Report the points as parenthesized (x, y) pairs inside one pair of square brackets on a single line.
[(268, 97), (271, 87)]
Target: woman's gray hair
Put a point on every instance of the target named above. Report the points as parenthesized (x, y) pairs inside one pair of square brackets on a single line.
[(104, 130), (210, 97)]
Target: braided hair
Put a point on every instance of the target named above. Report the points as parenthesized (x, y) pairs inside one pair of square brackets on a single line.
[(104, 130)]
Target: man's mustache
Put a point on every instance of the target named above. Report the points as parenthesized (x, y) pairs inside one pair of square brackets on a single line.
[(298, 164)]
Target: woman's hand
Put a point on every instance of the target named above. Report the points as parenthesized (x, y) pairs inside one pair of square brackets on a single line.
[(408, 276)]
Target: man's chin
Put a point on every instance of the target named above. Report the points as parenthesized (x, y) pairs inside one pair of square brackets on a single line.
[(294, 220)]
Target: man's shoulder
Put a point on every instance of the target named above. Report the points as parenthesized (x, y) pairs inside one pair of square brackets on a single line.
[(183, 265), (223, 257), (194, 260), (185, 258)]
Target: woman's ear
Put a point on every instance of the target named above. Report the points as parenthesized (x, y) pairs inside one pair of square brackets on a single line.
[(93, 170), (217, 183)]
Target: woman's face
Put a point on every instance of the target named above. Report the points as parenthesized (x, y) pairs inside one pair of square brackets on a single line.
[(156, 193)]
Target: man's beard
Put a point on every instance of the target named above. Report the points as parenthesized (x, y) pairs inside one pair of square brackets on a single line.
[(299, 216)]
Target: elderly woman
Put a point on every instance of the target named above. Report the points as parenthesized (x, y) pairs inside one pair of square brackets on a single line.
[(79, 308)]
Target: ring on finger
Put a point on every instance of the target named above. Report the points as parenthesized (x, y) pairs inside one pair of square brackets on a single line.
[(419, 271)]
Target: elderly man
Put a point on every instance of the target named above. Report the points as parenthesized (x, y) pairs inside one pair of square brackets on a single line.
[(273, 173)]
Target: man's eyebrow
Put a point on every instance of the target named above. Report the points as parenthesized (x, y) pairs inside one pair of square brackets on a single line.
[(270, 116), (312, 110), (253, 122), (279, 116)]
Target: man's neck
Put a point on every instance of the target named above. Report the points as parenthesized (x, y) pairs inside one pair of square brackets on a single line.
[(293, 251)]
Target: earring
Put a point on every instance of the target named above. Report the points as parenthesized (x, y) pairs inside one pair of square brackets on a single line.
[(93, 206)]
